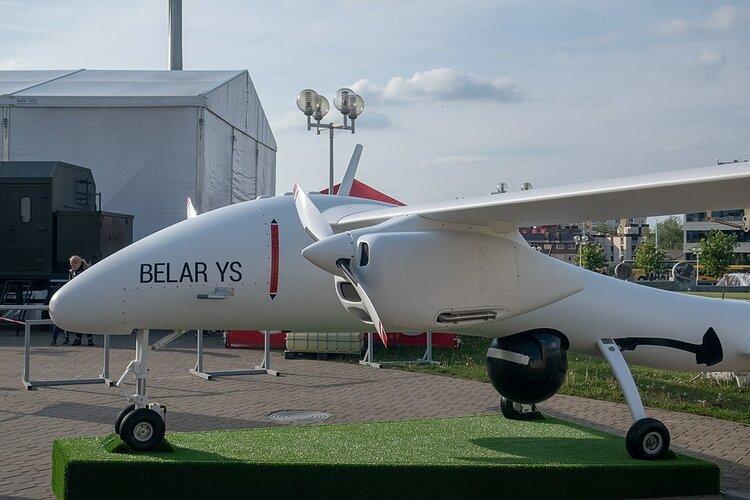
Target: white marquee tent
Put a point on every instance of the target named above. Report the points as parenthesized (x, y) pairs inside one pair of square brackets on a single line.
[(151, 138)]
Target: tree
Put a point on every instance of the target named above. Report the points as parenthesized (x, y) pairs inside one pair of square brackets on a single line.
[(649, 258), (716, 253), (591, 256), (670, 234)]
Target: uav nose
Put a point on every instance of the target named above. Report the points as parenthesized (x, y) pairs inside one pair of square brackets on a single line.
[(84, 305)]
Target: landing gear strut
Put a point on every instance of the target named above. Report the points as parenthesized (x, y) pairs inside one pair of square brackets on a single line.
[(140, 424), (647, 439)]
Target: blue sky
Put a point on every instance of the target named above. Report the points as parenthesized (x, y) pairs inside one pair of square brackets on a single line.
[(459, 95)]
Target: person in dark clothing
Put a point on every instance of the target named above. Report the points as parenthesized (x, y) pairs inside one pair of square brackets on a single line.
[(56, 330), (77, 266)]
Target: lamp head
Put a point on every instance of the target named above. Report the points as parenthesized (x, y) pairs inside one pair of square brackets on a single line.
[(344, 100), (307, 101), (357, 107), (322, 109)]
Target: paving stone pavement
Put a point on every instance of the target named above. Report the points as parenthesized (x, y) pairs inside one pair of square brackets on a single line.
[(31, 420)]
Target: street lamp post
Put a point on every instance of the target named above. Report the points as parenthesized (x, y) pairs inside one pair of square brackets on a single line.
[(697, 251), (315, 107)]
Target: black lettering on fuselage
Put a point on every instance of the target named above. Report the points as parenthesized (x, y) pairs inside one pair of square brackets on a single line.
[(186, 274), (222, 270), (159, 270), (200, 269), (146, 273), (163, 273), (190, 272), (236, 273)]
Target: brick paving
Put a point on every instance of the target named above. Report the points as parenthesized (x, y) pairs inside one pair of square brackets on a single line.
[(31, 420)]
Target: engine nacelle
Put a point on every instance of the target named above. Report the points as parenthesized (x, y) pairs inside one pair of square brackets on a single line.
[(528, 367), (446, 280)]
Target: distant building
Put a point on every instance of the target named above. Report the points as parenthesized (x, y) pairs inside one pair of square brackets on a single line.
[(617, 238), (729, 221), (555, 241), (620, 245), (697, 225)]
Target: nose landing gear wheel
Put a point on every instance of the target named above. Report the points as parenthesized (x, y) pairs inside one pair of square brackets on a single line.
[(121, 415), (515, 411), (647, 439), (142, 429)]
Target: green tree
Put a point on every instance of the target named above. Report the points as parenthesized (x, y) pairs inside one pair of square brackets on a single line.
[(591, 256), (649, 258), (716, 253), (670, 233)]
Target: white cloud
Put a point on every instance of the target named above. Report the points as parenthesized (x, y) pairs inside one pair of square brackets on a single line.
[(725, 18), (708, 59), (11, 63), (453, 160), (441, 84), (675, 27), (288, 121)]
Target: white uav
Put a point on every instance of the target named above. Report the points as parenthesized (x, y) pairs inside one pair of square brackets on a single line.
[(460, 266)]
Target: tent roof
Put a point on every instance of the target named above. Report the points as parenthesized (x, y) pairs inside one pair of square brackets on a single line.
[(229, 94), (165, 87)]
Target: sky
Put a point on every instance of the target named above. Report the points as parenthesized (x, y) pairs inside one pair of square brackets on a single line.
[(459, 96)]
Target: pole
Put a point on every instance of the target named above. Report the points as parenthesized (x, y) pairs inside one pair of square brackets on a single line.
[(330, 154), (175, 34), (697, 267)]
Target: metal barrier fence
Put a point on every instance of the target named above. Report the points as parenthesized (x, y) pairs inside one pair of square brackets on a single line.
[(26, 378)]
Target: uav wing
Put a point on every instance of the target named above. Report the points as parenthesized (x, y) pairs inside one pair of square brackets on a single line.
[(679, 191)]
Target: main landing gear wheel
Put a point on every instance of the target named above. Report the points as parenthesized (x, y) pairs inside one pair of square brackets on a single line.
[(121, 415), (142, 429), (514, 411), (647, 439)]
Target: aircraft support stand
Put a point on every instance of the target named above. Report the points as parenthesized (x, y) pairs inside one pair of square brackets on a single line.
[(26, 377), (426, 359), (263, 368), (647, 438)]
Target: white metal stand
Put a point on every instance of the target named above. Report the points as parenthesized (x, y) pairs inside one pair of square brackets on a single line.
[(263, 368), (611, 352), (26, 378), (424, 360)]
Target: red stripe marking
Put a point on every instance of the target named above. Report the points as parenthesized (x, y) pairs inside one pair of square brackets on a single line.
[(274, 285), (383, 335), (12, 321)]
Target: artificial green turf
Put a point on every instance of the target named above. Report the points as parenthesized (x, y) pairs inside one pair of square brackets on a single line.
[(468, 457)]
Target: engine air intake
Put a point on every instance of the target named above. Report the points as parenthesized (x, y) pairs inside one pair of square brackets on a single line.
[(465, 317)]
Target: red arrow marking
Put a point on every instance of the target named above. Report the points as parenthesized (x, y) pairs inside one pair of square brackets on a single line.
[(273, 286)]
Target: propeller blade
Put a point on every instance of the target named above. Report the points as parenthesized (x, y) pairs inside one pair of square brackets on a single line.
[(191, 212), (343, 264), (346, 184), (312, 220)]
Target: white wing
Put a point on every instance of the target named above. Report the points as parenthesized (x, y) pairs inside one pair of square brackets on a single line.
[(719, 187)]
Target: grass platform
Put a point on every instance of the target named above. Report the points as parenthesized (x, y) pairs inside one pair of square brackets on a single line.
[(468, 457)]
